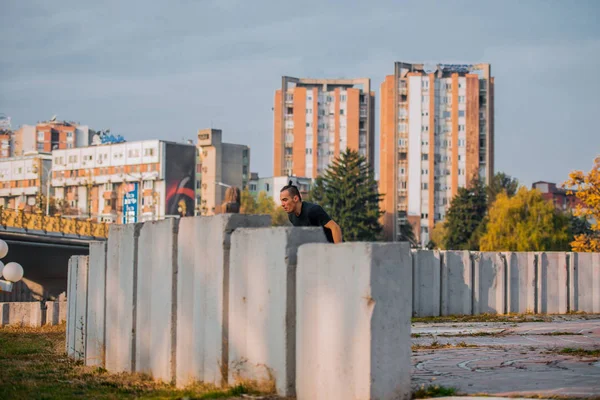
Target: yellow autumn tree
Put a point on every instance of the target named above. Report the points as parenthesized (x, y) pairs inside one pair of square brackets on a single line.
[(588, 192), (525, 222)]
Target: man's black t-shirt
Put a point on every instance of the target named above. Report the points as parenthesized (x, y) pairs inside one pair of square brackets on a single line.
[(312, 215)]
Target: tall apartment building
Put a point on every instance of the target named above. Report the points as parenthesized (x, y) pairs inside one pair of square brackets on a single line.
[(50, 135), (219, 165), (317, 119), (6, 138), (126, 182), (437, 133), (23, 180)]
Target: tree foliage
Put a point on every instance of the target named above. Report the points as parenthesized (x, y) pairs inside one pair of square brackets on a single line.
[(502, 182), (263, 204), (465, 216), (407, 234), (588, 192), (348, 192), (525, 222), (437, 236)]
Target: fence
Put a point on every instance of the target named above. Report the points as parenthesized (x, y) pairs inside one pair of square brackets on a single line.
[(222, 298)]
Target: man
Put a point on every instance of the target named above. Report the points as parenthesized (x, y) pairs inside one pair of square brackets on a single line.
[(303, 213)]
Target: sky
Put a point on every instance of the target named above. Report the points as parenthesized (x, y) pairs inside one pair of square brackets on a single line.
[(164, 69)]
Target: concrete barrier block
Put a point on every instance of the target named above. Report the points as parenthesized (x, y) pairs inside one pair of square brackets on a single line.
[(353, 321), (16, 313), (552, 283), (489, 283), (55, 312), (156, 286), (81, 307), (262, 304), (203, 294), (585, 282), (521, 282), (456, 284), (95, 349), (120, 266), (71, 301), (426, 283)]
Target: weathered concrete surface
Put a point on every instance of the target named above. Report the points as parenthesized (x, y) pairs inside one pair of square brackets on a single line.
[(71, 301), (521, 283), (522, 359), (56, 312), (262, 305), (120, 267), (96, 305), (203, 295), (426, 283), (353, 321), (154, 331), (489, 283), (456, 284), (81, 306), (584, 280), (22, 314), (552, 283)]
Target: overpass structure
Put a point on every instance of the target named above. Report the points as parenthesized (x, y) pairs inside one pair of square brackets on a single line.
[(43, 245)]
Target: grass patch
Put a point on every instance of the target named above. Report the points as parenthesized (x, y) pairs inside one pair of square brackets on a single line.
[(485, 318), (580, 352), (33, 365), (425, 392), (435, 345)]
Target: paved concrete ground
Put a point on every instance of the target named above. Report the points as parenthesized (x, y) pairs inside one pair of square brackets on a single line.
[(516, 359)]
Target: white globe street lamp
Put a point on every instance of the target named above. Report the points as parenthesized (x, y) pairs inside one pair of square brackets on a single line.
[(11, 272)]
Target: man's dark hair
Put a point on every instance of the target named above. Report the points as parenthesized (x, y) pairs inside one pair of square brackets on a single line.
[(293, 189)]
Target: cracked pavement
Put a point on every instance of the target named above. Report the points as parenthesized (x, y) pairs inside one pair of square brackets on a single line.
[(510, 359)]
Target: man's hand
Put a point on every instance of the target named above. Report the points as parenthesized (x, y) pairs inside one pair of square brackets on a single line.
[(336, 231)]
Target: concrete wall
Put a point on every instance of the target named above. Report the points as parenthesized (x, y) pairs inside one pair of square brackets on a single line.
[(262, 304), (120, 265), (77, 307), (426, 283), (171, 299), (584, 274), (203, 258), (96, 304), (33, 314), (353, 321), (156, 281)]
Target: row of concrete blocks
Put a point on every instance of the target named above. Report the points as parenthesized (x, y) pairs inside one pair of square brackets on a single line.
[(471, 283), (225, 298), (33, 314)]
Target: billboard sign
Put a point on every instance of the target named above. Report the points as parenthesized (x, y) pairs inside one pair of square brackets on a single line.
[(130, 203)]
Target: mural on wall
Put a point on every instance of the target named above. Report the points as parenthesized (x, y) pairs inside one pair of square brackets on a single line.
[(180, 178)]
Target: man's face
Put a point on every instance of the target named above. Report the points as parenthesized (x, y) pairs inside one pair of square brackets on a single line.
[(287, 202)]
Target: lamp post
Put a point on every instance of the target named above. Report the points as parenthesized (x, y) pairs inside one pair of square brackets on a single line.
[(11, 272)]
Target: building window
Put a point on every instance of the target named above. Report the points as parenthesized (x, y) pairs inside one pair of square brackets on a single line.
[(40, 136), (148, 152), (461, 113), (342, 111), (424, 186), (148, 184), (424, 157), (108, 187)]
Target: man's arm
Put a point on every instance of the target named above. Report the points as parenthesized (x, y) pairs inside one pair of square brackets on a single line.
[(336, 231)]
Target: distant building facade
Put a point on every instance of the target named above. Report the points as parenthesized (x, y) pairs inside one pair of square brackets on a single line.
[(51, 135), (219, 165), (24, 181), (272, 186), (317, 119), (437, 134), (558, 196), (126, 182)]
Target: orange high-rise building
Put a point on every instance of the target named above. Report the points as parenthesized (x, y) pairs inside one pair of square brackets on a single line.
[(437, 134), (317, 119)]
